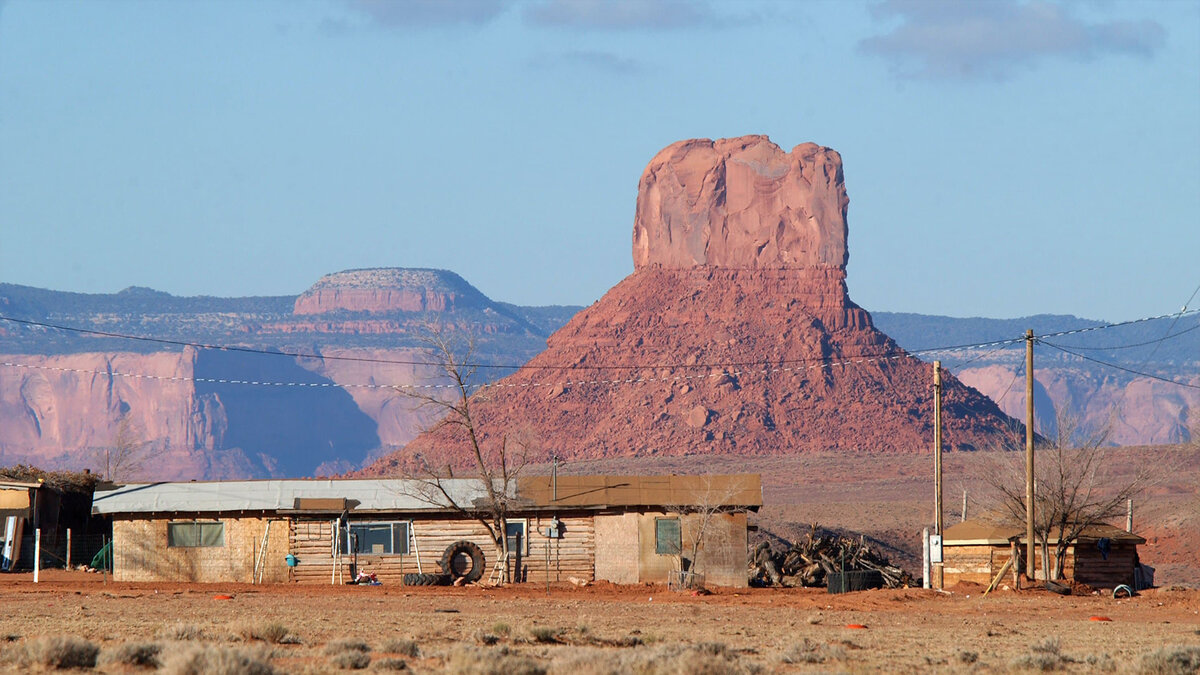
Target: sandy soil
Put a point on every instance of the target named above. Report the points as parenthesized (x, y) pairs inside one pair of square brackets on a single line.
[(905, 630)]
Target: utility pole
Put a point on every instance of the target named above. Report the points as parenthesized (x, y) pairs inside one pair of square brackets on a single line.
[(937, 457), (1029, 567)]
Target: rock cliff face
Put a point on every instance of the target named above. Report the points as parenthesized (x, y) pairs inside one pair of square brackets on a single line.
[(735, 334), (389, 290)]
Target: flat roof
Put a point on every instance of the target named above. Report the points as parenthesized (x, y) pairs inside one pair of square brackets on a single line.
[(738, 490), (281, 495), (397, 494), (977, 532)]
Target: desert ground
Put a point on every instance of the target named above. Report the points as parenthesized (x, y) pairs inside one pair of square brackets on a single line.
[(229, 628), (596, 629)]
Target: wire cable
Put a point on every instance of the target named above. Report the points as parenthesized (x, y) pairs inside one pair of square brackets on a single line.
[(1117, 367)]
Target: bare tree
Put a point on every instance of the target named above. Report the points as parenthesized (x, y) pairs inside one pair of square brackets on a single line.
[(710, 502), (1076, 486), (455, 447), (125, 458)]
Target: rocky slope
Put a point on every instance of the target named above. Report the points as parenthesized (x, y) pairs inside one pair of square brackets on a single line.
[(63, 394), (734, 335)]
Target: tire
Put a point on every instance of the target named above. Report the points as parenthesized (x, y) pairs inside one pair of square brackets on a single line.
[(458, 553), (418, 579)]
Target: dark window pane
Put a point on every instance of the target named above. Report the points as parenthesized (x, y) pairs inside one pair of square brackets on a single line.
[(667, 537)]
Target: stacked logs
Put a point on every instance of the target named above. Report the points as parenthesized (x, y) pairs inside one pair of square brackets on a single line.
[(809, 562)]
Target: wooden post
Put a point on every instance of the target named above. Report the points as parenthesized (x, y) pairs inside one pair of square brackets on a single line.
[(68, 548), (1128, 517), (964, 511), (937, 460), (1029, 515), (37, 553)]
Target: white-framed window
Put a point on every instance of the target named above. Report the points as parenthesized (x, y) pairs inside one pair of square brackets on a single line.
[(195, 534), (517, 532), (668, 539), (375, 538)]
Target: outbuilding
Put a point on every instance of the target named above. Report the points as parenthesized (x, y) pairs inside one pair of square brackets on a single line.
[(1102, 556), (623, 529)]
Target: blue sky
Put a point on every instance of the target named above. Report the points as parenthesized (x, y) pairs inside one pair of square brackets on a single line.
[(1002, 158)]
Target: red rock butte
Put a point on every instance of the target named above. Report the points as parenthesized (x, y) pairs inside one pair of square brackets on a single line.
[(734, 335)]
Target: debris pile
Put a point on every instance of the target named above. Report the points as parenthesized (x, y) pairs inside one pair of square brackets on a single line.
[(811, 561)]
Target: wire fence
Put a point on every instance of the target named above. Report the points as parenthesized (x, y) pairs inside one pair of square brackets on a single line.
[(84, 547)]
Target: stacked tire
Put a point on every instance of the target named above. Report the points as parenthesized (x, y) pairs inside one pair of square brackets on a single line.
[(418, 579)]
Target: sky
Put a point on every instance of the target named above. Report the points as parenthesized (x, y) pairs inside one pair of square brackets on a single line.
[(1002, 158)]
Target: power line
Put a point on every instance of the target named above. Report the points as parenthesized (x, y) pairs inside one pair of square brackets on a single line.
[(1171, 327), (1160, 340), (1117, 367)]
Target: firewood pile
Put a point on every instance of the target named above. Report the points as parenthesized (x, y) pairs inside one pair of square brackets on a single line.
[(809, 562)]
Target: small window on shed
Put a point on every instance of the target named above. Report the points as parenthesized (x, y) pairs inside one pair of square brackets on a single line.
[(377, 538), (195, 534), (667, 537)]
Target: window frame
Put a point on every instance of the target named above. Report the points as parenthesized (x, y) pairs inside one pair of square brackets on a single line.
[(524, 523), (200, 525), (659, 542), (405, 540)]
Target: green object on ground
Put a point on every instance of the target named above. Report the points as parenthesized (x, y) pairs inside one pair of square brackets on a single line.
[(103, 558)]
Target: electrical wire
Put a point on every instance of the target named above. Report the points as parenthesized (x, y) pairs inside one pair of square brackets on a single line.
[(1118, 367), (1160, 340)]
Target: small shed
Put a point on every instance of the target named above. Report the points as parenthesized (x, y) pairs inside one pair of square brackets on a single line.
[(1103, 556), (624, 529)]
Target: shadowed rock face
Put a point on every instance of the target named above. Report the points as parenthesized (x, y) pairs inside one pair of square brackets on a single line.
[(741, 203), (734, 335)]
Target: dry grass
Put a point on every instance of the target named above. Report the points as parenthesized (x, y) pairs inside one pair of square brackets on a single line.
[(403, 647), (500, 661), (56, 652), (1171, 661), (350, 660), (343, 645), (214, 660), (182, 632), (137, 654)]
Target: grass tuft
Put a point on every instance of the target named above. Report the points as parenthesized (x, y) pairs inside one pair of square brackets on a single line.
[(138, 654), (476, 661), (346, 645), (1170, 661), (351, 660), (57, 652), (403, 647), (213, 660)]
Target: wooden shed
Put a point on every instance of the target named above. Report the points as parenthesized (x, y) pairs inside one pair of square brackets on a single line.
[(624, 529), (1102, 556)]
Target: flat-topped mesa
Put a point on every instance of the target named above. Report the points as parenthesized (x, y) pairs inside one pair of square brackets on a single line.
[(741, 203), (389, 289)]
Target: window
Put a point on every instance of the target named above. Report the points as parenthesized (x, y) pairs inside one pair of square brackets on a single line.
[(376, 538), (517, 531), (667, 537), (195, 534)]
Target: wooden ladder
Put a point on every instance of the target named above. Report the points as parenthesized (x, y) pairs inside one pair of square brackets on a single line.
[(500, 569)]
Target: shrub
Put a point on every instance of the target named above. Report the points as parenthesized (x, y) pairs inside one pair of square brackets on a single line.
[(346, 645), (213, 660), (967, 657), (402, 646), (183, 632), (476, 661), (351, 660), (1044, 656), (703, 659), (391, 664), (58, 652), (486, 638), (272, 632), (545, 634), (142, 654), (502, 629), (1171, 661)]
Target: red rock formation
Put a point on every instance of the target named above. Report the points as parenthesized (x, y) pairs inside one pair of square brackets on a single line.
[(735, 334), (387, 290)]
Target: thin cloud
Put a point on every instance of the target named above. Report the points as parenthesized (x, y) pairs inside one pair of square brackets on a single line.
[(946, 39), (401, 13), (620, 14), (595, 60)]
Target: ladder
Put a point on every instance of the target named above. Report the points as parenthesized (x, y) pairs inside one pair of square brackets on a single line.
[(500, 570)]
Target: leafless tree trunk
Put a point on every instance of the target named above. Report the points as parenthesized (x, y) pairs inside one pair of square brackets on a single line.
[(1075, 486), (125, 458), (711, 502), (456, 439)]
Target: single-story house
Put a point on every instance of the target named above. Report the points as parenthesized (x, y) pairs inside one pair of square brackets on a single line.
[(1103, 556), (623, 529), (25, 507)]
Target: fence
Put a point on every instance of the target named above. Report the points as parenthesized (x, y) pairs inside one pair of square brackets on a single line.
[(54, 549)]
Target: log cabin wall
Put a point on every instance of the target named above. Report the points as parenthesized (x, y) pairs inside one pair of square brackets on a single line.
[(141, 551), (978, 563), (572, 554), (1091, 568)]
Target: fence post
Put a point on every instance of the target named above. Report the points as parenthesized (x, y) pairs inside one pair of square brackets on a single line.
[(37, 553), (68, 548)]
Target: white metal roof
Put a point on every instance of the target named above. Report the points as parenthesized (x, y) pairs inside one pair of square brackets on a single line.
[(274, 495)]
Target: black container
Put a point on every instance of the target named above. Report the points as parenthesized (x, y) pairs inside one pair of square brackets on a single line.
[(854, 580)]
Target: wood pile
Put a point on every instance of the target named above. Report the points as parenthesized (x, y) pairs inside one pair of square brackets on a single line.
[(809, 562)]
